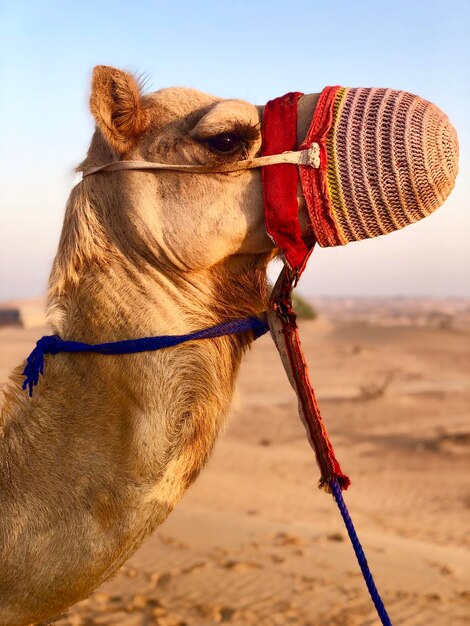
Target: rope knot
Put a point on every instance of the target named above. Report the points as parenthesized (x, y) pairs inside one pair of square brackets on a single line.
[(50, 344)]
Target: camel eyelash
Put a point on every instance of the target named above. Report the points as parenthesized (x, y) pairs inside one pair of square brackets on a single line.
[(243, 133), (249, 132)]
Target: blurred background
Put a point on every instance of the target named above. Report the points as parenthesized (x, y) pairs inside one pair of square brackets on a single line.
[(254, 542)]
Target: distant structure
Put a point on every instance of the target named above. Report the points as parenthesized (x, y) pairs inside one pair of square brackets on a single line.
[(10, 317), (28, 313)]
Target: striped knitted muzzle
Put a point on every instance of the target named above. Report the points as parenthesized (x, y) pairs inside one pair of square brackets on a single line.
[(387, 159)]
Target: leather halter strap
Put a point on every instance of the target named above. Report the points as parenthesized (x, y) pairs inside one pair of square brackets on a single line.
[(310, 156), (285, 333)]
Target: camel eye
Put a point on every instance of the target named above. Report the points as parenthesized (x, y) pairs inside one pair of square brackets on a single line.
[(224, 144)]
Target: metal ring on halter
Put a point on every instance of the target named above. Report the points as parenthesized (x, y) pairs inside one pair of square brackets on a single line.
[(310, 157)]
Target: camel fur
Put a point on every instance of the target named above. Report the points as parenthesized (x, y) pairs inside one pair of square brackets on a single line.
[(102, 452)]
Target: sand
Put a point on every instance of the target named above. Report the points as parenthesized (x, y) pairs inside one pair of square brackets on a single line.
[(255, 542)]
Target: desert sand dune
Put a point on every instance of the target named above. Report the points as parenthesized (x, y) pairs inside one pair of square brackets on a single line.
[(255, 542)]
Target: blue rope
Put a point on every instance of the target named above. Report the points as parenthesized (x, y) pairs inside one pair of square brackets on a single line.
[(361, 557), (53, 344)]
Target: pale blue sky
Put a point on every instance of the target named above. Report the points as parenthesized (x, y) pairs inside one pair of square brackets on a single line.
[(254, 50)]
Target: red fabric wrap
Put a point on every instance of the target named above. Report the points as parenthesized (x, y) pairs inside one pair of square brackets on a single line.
[(313, 180), (279, 134)]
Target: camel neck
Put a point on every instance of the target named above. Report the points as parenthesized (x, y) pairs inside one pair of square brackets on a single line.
[(153, 395), (112, 440)]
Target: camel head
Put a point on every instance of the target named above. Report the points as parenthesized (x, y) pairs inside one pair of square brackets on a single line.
[(385, 159)]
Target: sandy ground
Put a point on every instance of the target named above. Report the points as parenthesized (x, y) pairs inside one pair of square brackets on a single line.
[(255, 542)]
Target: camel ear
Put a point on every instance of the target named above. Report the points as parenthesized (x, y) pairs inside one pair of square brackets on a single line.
[(116, 104)]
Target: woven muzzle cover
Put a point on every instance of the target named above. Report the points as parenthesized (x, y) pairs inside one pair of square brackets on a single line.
[(387, 159)]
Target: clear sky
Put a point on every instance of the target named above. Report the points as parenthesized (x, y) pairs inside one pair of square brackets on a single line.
[(249, 49)]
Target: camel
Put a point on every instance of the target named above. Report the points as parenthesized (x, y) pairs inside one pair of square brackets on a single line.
[(107, 445)]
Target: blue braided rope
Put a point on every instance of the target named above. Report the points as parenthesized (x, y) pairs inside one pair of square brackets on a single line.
[(361, 557), (53, 344)]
